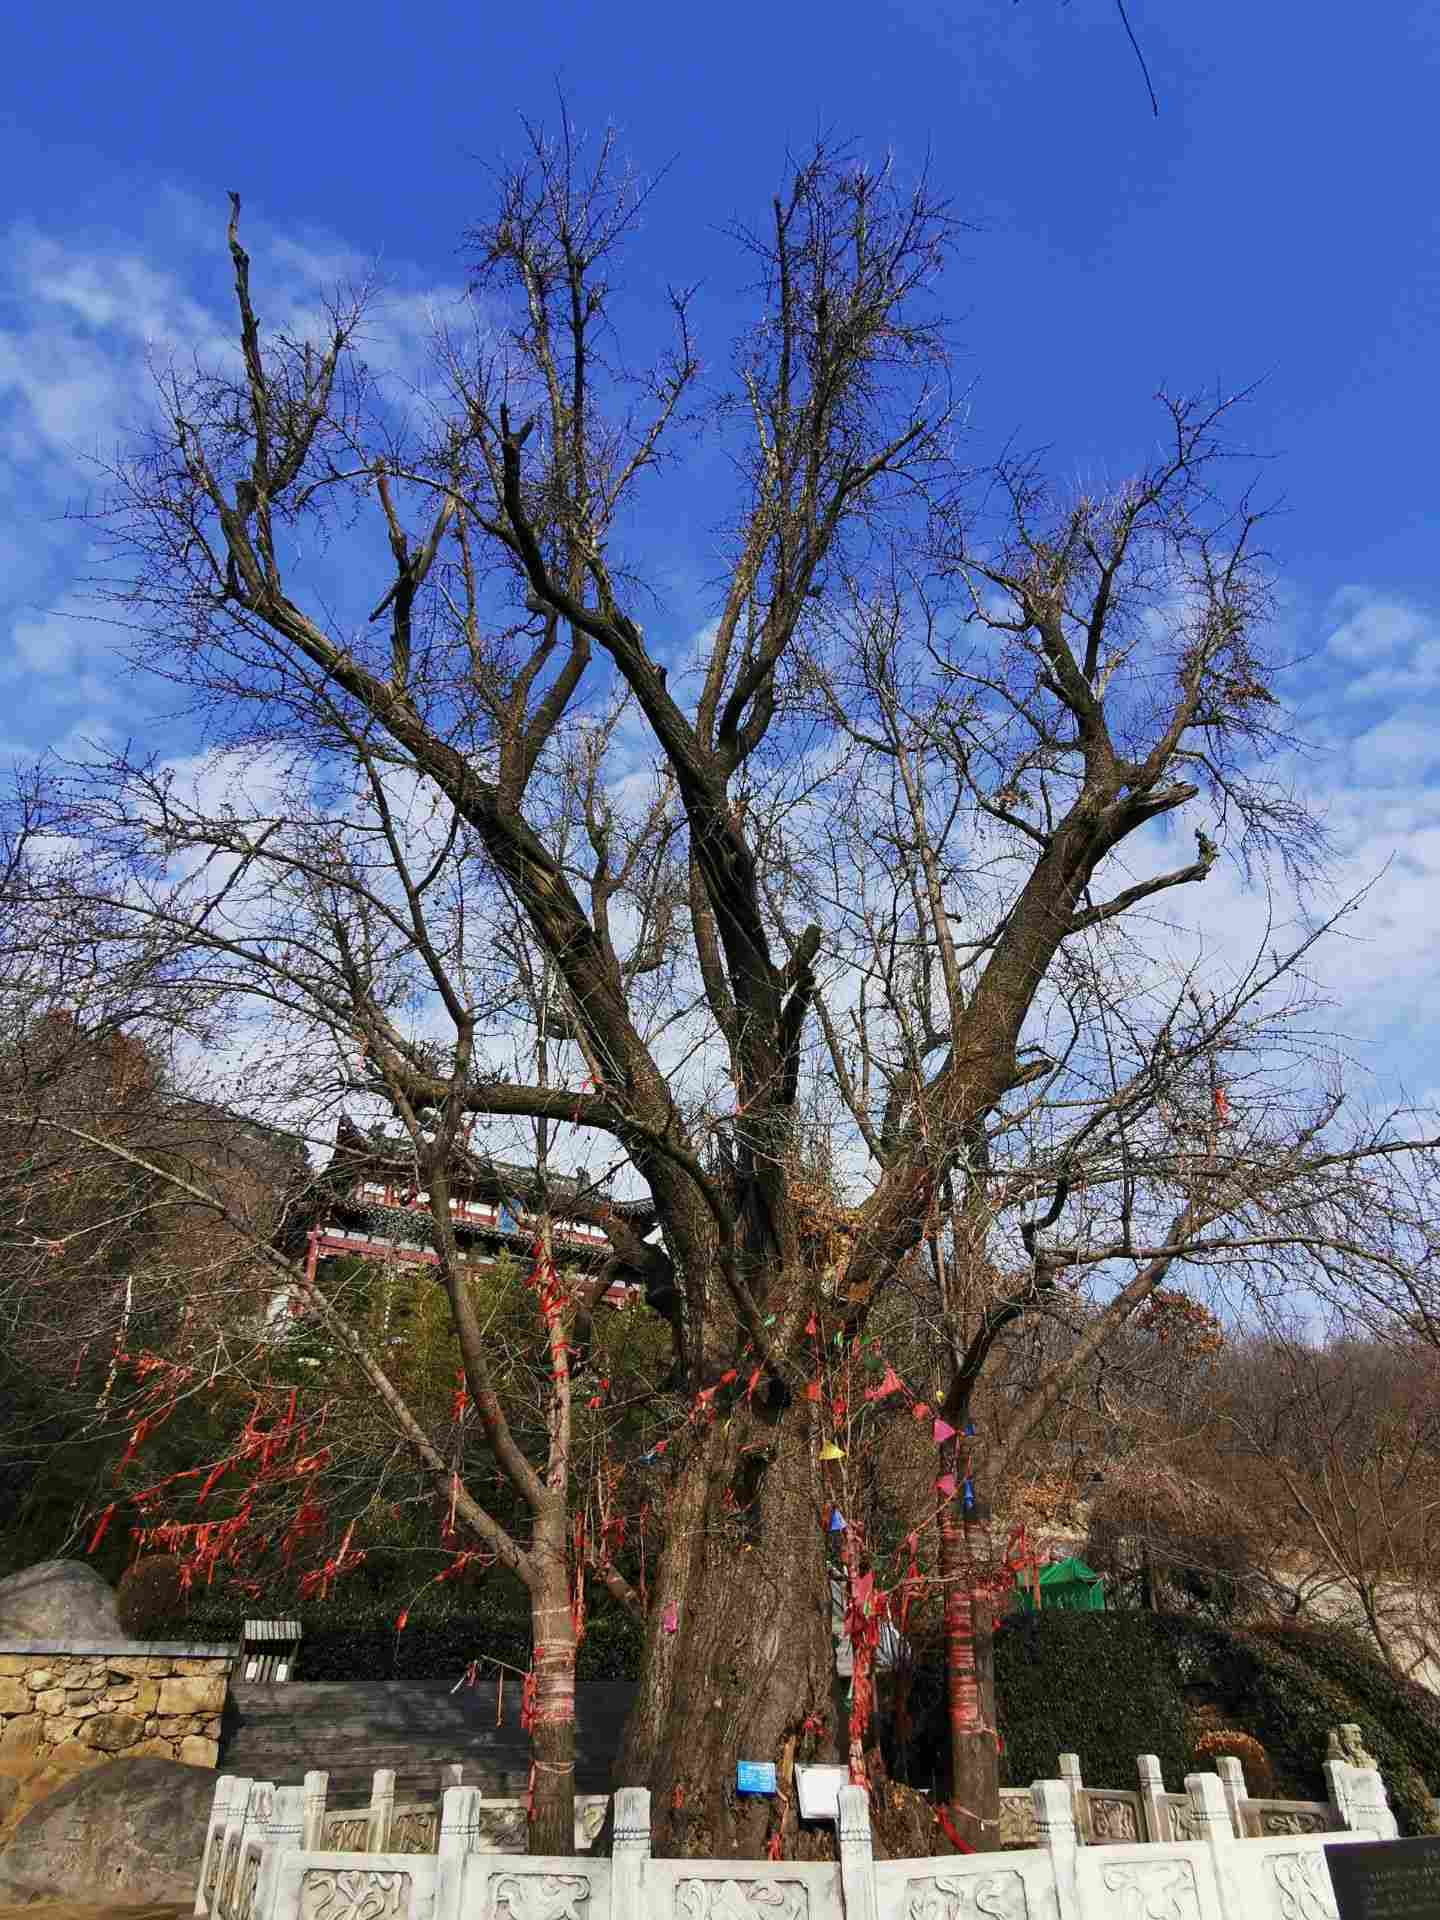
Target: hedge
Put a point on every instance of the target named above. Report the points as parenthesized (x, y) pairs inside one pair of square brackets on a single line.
[(442, 1649), (353, 1638), (1114, 1685), (1096, 1684)]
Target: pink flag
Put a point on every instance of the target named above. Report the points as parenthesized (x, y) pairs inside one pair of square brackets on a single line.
[(942, 1431), (945, 1484), (892, 1383)]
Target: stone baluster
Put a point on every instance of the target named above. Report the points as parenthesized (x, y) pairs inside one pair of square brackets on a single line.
[(857, 1855), (1055, 1818), (382, 1811), (1154, 1807), (317, 1791), (1232, 1781), (459, 1838), (459, 1822), (227, 1790), (630, 1852), (1070, 1774), (240, 1802), (1210, 1819), (284, 1834), (254, 1832), (453, 1776)]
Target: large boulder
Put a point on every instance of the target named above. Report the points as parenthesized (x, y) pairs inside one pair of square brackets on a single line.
[(129, 1832), (58, 1600)]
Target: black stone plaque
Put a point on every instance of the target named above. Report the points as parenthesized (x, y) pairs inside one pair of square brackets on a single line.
[(1386, 1879)]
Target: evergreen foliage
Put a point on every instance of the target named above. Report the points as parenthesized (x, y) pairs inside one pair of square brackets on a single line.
[(1112, 1686)]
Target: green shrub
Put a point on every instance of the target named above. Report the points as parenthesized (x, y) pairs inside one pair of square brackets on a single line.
[(1111, 1686), (351, 1634), (1095, 1684), (149, 1597)]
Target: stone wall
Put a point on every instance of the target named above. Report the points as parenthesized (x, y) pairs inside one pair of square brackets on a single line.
[(121, 1699)]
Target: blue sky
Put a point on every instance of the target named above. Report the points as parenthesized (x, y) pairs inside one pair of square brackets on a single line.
[(1278, 222)]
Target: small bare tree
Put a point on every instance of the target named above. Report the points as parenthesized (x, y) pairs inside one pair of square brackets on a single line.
[(1342, 1439)]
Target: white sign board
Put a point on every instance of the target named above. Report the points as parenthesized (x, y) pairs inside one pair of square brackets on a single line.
[(820, 1791)]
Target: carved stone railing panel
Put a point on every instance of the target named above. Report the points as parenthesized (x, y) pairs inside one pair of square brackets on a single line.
[(1017, 1818), (354, 1893), (1110, 1819), (1303, 1886), (773, 1898), (948, 1896), (346, 1831), (540, 1896), (415, 1830), (1181, 1817), (229, 1878), (248, 1883), (1268, 1819), (1151, 1890)]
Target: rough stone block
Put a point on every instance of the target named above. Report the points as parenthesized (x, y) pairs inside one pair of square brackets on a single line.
[(198, 1752), (23, 1734), (202, 1694), (13, 1665), (135, 1830), (112, 1732), (39, 1678), (14, 1696), (51, 1701)]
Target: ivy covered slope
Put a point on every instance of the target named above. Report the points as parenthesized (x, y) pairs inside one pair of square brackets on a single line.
[(1111, 1686)]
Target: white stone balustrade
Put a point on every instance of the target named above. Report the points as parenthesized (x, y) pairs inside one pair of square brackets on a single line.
[(260, 1864)]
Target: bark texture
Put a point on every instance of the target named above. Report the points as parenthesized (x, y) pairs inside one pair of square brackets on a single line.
[(552, 1706), (746, 1672), (974, 1758)]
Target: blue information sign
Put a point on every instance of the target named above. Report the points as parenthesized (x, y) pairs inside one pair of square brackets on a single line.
[(754, 1776)]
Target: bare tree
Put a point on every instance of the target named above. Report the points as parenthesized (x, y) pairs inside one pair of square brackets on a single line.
[(1341, 1440), (832, 961)]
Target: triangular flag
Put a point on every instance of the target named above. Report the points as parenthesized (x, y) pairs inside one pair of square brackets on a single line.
[(831, 1452), (920, 1410), (967, 1498), (837, 1521), (942, 1431), (860, 1586), (945, 1484), (969, 1429), (892, 1383)]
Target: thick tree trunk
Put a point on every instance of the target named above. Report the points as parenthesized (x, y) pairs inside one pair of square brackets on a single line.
[(552, 1709), (974, 1755), (738, 1658)]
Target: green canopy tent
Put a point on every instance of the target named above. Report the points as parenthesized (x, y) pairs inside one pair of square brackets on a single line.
[(1065, 1583)]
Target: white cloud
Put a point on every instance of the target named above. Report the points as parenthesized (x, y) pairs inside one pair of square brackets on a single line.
[(1389, 647)]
